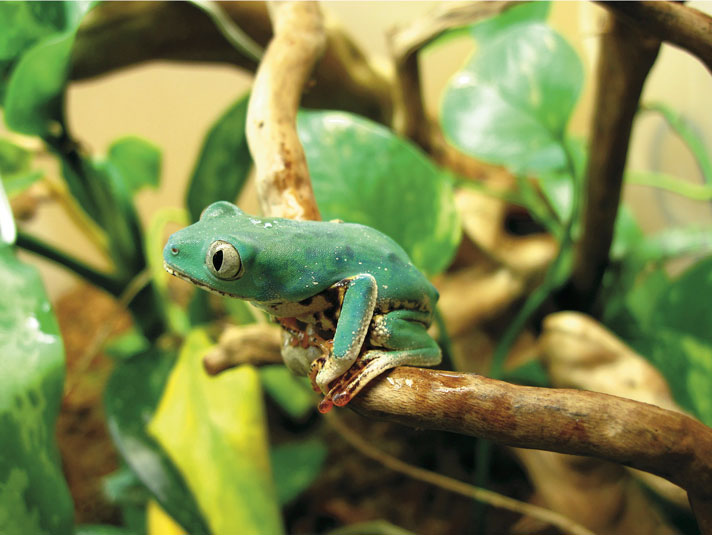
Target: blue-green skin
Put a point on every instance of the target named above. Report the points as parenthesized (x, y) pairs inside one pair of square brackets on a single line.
[(286, 265)]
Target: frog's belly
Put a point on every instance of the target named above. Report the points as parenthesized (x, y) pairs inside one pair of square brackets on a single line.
[(297, 358), (299, 309)]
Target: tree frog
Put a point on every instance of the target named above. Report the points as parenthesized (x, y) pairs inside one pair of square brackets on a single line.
[(349, 300)]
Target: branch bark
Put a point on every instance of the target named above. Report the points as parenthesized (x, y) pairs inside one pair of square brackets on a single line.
[(642, 436), (672, 22), (283, 184), (625, 59)]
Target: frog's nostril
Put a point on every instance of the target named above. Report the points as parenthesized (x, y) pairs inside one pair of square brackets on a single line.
[(175, 250)]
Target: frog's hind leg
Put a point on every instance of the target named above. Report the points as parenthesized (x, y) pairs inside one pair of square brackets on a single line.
[(406, 342)]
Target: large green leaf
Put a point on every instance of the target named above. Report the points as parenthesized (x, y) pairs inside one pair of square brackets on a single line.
[(24, 23), (34, 498), (214, 429), (512, 101), (224, 161), (138, 162), (672, 326), (131, 396), (35, 91), (363, 173)]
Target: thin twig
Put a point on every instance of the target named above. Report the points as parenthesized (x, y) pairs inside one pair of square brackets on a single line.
[(453, 485)]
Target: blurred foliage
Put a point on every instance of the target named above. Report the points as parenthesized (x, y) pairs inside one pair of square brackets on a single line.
[(195, 449), (34, 497)]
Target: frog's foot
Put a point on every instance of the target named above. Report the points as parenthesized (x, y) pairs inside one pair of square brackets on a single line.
[(369, 366)]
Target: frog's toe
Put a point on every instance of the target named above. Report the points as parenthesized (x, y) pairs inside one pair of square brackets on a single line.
[(330, 371)]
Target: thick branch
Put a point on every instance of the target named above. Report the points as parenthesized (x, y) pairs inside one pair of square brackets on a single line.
[(283, 183), (116, 35), (671, 22), (625, 59), (634, 434)]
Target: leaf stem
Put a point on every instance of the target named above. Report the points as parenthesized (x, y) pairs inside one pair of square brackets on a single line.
[(111, 284)]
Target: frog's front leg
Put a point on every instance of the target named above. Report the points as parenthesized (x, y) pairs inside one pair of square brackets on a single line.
[(354, 320)]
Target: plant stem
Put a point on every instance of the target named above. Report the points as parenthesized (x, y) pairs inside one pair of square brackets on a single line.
[(111, 284)]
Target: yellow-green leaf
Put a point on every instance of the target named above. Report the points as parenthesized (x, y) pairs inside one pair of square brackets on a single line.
[(214, 430)]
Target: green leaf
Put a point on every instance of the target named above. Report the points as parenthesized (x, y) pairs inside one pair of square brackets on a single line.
[(127, 345), (138, 162), (224, 162), (131, 396), (116, 214), (489, 29), (689, 135), (675, 333), (511, 103), (363, 173), (34, 498), (19, 182), (23, 23), (34, 96), (296, 465), (293, 394), (214, 429), (13, 158)]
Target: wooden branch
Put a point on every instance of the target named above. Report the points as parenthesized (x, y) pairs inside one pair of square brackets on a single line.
[(625, 59), (283, 184), (116, 35), (672, 22), (662, 442)]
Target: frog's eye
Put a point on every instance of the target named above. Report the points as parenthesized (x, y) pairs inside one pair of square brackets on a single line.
[(223, 260)]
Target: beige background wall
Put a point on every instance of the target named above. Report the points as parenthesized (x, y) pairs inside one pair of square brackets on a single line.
[(173, 105)]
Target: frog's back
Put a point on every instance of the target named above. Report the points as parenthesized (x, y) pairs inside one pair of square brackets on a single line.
[(343, 250)]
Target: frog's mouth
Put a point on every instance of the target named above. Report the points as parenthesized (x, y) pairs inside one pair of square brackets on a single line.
[(200, 284)]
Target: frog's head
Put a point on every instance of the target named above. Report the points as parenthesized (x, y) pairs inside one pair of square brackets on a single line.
[(215, 253)]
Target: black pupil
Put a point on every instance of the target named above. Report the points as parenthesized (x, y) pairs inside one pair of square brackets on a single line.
[(218, 260)]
